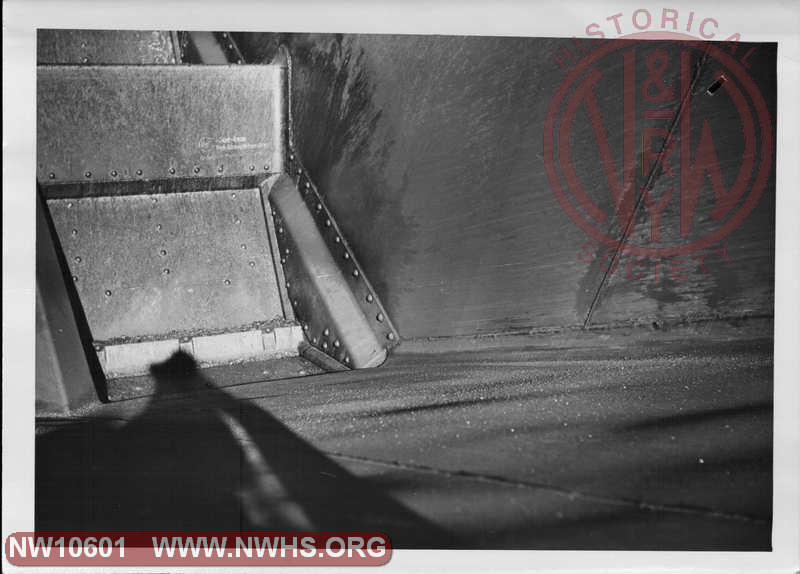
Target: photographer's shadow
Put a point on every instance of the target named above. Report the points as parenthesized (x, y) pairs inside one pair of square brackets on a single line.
[(199, 459)]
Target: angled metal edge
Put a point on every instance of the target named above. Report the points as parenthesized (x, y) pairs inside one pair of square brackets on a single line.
[(357, 280)]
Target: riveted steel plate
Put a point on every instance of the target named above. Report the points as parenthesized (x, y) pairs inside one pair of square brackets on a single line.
[(106, 47), (336, 242), (128, 123), (150, 266), (327, 288)]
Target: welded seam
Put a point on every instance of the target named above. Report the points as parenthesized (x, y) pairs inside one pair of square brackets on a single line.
[(640, 199), (569, 493)]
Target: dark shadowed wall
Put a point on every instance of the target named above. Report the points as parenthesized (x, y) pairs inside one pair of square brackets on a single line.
[(430, 153)]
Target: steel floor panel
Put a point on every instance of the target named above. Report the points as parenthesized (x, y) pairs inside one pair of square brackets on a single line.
[(665, 446)]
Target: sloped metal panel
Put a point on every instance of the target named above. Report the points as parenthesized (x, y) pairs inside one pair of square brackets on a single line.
[(429, 153), (129, 123), (106, 47), (150, 266), (340, 314)]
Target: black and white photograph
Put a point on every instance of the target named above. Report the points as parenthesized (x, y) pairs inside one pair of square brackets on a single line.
[(379, 294)]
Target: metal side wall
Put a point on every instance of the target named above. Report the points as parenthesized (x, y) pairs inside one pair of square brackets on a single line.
[(429, 152)]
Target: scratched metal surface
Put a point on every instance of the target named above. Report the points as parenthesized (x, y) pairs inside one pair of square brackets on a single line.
[(182, 263), (128, 123), (105, 47), (429, 151), (730, 278)]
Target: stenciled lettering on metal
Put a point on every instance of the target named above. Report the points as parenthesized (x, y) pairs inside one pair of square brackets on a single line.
[(139, 164), (115, 124)]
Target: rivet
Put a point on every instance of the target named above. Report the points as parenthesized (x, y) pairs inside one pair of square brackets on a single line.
[(337, 344), (326, 332), (233, 196), (196, 169), (237, 221), (379, 317), (163, 252), (252, 263), (314, 340), (88, 174), (108, 293), (319, 207), (280, 229), (283, 259), (288, 285), (77, 260), (291, 156), (74, 232), (308, 185), (286, 251), (370, 298), (85, 60), (295, 302), (243, 246), (338, 240), (165, 271), (327, 223), (52, 175), (347, 359), (172, 170), (227, 281), (155, 200), (305, 326), (219, 169), (356, 273), (390, 336), (325, 345), (75, 278), (266, 167), (98, 347), (252, 168), (346, 255), (138, 172), (113, 173)]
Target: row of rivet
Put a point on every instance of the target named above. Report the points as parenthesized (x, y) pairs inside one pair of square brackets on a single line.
[(172, 171), (307, 188), (322, 345)]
